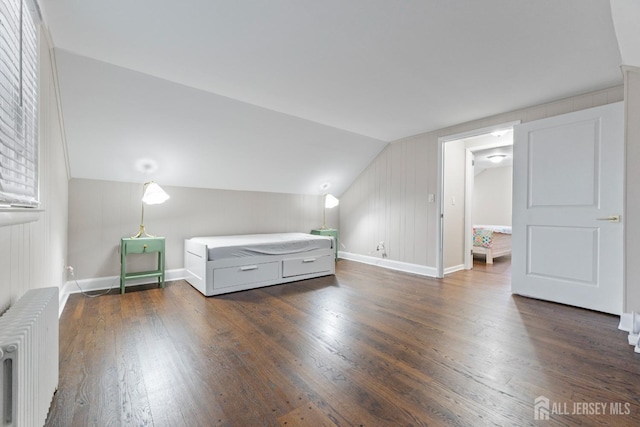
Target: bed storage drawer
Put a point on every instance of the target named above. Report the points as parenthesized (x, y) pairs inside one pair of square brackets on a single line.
[(307, 265), (245, 274)]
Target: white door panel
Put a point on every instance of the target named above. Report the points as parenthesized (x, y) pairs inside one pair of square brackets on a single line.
[(561, 165), (577, 247), (568, 173)]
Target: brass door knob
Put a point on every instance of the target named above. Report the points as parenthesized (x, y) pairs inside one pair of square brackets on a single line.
[(612, 218)]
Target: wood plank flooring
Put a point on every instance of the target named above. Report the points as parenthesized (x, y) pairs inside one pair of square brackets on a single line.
[(366, 347)]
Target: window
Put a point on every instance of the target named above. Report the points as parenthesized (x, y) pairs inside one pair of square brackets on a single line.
[(18, 103)]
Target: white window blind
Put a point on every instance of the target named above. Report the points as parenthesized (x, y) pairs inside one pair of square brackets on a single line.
[(18, 103)]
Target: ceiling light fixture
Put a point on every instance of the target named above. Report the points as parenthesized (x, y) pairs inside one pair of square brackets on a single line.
[(496, 158)]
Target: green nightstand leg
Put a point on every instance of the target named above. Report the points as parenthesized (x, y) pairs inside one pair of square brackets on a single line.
[(328, 232)]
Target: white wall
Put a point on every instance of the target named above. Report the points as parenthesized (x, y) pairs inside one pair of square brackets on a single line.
[(453, 203), (388, 203), (32, 255), (632, 205), (102, 212), (389, 200), (492, 195)]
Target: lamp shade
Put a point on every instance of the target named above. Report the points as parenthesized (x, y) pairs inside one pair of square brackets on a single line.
[(330, 201), (154, 194)]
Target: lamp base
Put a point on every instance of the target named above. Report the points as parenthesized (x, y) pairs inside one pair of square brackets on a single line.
[(142, 233)]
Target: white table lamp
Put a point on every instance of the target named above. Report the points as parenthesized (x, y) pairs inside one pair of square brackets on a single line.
[(152, 194), (330, 202)]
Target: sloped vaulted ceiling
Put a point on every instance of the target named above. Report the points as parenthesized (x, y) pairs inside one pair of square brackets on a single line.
[(120, 121), (626, 18), (285, 95)]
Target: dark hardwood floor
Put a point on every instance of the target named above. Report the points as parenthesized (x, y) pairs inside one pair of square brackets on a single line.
[(369, 347)]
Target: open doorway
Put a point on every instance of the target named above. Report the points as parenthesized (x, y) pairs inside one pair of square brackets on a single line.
[(488, 194), (484, 155)]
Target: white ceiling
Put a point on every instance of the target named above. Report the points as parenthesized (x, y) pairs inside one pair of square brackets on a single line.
[(626, 18), (333, 76)]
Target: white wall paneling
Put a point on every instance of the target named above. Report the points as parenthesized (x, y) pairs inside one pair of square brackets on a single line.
[(387, 189), (382, 206), (32, 255), (102, 212)]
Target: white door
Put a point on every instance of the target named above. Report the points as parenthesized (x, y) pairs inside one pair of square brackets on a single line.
[(568, 188)]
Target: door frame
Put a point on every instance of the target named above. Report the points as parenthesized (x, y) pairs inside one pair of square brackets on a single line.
[(440, 189)]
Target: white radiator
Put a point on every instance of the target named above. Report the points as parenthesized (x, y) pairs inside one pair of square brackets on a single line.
[(29, 358)]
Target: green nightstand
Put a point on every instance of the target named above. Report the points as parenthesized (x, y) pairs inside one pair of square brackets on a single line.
[(141, 245), (328, 232)]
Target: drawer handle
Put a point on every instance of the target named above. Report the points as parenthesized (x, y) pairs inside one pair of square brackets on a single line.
[(248, 267), (309, 260), (144, 246)]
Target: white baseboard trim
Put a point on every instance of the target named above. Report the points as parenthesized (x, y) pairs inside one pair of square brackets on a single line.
[(453, 269), (626, 322), (421, 270), (104, 283)]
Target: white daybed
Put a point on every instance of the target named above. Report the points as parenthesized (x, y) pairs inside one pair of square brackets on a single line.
[(492, 240), (221, 264)]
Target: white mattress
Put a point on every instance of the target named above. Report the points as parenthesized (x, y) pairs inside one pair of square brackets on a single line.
[(220, 247)]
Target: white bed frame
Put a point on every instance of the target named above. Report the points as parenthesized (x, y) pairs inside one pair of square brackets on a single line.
[(239, 274), (501, 246)]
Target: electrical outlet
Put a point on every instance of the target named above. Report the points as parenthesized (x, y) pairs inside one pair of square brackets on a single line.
[(380, 248), (69, 269)]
